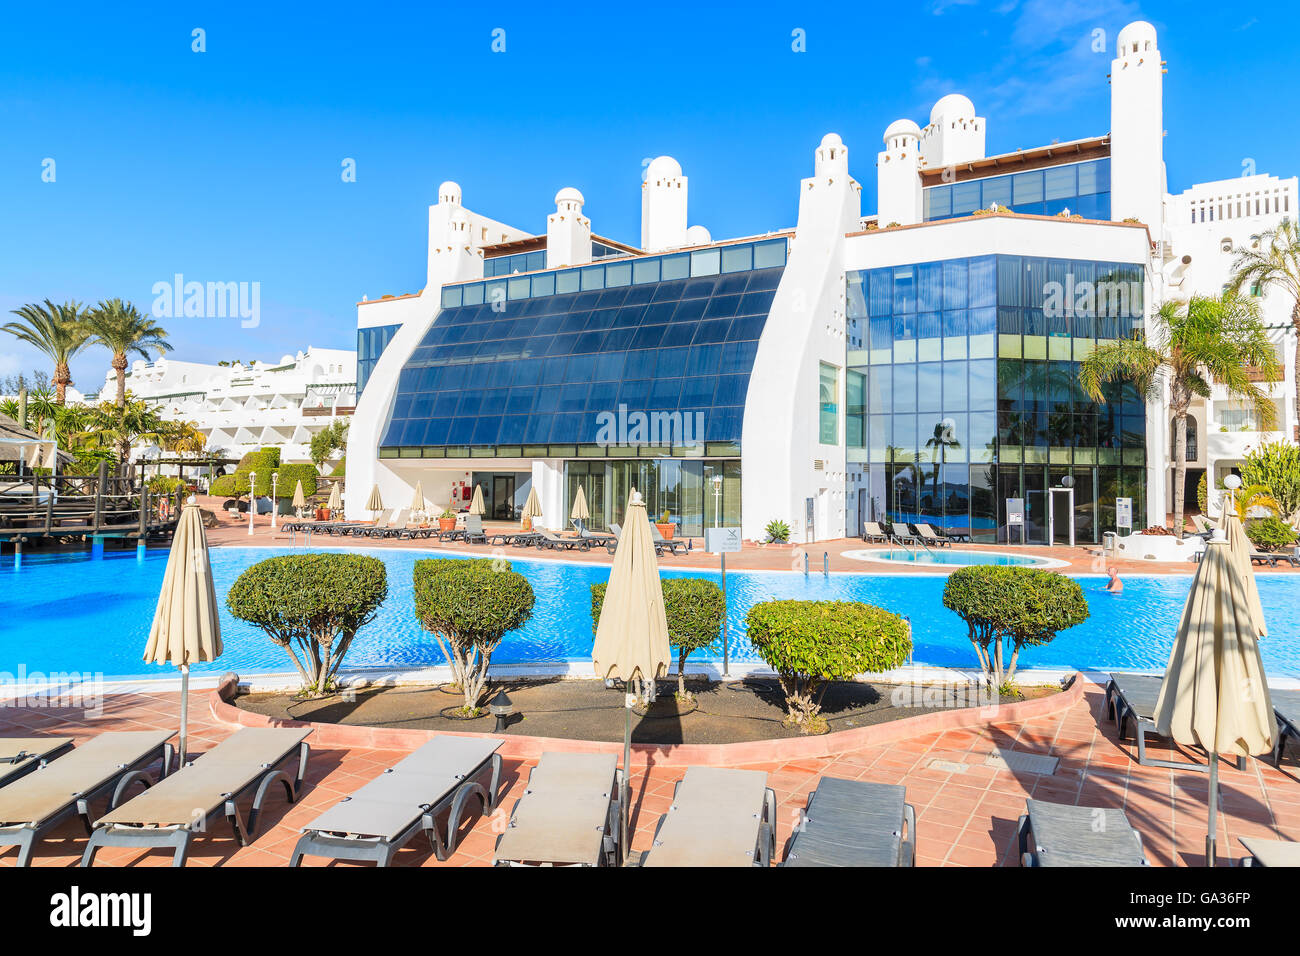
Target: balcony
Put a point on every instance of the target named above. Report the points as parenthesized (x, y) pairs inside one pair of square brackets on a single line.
[(1238, 444)]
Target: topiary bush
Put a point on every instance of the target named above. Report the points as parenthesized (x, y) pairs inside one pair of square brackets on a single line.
[(809, 643), (264, 459), (229, 486), (1020, 607), (1270, 534), (694, 608), (469, 606), (290, 474), (312, 605)]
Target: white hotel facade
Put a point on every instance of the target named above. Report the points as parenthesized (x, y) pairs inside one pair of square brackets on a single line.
[(240, 408), (916, 364)]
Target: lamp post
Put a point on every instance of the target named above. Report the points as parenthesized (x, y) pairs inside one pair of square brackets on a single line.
[(275, 477), (717, 495), (252, 499), (1231, 483)]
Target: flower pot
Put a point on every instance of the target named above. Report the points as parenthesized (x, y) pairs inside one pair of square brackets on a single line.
[(527, 524), (666, 530), (446, 524)]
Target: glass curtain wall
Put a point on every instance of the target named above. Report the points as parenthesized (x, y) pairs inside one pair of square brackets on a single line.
[(685, 489), (968, 375)]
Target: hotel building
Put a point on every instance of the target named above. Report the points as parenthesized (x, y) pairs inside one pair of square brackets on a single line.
[(915, 364)]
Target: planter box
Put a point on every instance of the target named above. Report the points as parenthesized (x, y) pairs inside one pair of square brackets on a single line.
[(666, 530), (1158, 547), (446, 524)]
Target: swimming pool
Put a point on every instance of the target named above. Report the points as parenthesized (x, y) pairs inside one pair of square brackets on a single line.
[(953, 558), (78, 614)]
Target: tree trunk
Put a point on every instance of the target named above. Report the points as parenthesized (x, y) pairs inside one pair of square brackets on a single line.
[(62, 379), (119, 367), (1180, 466), (681, 672)]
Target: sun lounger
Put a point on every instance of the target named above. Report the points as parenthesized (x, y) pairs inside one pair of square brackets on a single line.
[(568, 815), (871, 531), (598, 539), (169, 814), (348, 527), (395, 524), (1131, 699), (1271, 558), (671, 545), (108, 764), (928, 535), (19, 756), (1270, 852), (1286, 708), (719, 817), (854, 823), (1054, 834), (520, 539), (383, 816), (550, 541), (902, 534)]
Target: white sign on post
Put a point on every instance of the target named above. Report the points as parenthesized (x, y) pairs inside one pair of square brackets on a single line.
[(1124, 513), (1015, 511), (721, 540)]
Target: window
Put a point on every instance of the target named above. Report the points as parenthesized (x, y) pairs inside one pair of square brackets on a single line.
[(828, 405), (1191, 440)]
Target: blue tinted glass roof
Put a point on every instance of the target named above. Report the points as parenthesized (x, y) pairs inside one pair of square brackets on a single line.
[(539, 370)]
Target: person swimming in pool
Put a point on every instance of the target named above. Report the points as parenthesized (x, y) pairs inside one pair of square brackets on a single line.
[(1114, 585)]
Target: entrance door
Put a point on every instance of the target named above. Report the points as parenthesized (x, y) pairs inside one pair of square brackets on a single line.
[(503, 498), (1035, 505)]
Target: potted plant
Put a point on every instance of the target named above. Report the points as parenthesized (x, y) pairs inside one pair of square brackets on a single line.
[(447, 521), (666, 526), (778, 532)]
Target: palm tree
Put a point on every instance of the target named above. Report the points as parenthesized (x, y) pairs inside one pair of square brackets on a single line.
[(57, 330), (1191, 346), (1275, 264), (120, 328)]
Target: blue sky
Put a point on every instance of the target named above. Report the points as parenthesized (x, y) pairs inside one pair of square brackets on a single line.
[(225, 165)]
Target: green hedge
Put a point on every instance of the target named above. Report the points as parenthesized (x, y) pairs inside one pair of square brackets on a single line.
[(312, 606), (811, 642), (1270, 534), (469, 606), (289, 474), (694, 609), (264, 459), (229, 486), (1019, 606)]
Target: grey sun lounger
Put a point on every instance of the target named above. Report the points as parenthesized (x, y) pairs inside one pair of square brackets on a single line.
[(111, 763), (854, 823), (671, 545), (549, 540), (1054, 834), (871, 531), (568, 815), (520, 539), (1286, 708), (1260, 852), (1131, 702), (719, 817), (929, 536), (168, 814), (404, 800), (19, 756)]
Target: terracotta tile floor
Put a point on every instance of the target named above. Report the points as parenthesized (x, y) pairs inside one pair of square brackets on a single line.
[(963, 818)]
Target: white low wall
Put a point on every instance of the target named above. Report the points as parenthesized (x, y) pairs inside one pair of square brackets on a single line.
[(1159, 547)]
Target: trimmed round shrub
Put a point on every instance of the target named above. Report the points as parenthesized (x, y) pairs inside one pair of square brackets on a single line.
[(469, 606), (229, 486), (694, 609), (1015, 606), (1270, 534), (809, 643), (312, 605), (289, 474), (264, 459)]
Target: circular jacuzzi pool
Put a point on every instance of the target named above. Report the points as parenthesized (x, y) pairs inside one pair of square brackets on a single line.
[(952, 558)]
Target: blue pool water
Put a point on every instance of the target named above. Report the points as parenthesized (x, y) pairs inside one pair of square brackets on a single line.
[(958, 558), (76, 614)]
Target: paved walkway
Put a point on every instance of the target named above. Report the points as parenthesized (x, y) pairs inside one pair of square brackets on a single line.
[(966, 811)]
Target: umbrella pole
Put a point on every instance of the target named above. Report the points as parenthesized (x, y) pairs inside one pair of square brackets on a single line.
[(625, 811), (1214, 809), (185, 712)]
